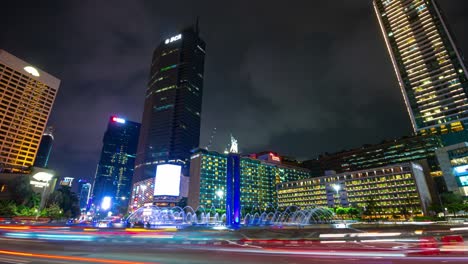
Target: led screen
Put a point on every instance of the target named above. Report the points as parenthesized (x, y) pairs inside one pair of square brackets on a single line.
[(167, 180)]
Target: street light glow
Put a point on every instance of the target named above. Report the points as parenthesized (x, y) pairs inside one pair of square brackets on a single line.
[(337, 187), (106, 203), (220, 193)]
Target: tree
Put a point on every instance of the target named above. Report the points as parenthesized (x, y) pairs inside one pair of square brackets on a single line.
[(54, 211), (7, 208), (22, 190), (353, 212), (452, 201), (341, 212), (67, 200)]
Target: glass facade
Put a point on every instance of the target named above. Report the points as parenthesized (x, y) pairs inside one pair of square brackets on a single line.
[(171, 116), (454, 164), (258, 180), (115, 169), (42, 157), (26, 98), (382, 192), (430, 70)]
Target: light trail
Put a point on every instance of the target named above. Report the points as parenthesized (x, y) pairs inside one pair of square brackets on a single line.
[(69, 258)]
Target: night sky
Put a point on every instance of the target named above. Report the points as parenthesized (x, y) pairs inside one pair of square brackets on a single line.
[(297, 77)]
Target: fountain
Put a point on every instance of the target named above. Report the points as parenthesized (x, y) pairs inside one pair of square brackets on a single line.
[(153, 216)]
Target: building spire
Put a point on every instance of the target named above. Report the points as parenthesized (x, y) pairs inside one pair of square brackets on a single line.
[(197, 29)]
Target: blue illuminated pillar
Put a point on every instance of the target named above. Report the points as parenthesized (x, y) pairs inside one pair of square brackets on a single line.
[(233, 191)]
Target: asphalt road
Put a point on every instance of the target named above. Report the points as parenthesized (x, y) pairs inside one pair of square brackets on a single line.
[(39, 251)]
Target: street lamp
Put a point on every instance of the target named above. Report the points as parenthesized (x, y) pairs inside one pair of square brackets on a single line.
[(220, 194)]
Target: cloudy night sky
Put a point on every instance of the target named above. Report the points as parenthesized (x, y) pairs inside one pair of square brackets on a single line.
[(297, 77)]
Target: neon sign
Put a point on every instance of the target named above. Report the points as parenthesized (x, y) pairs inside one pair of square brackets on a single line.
[(118, 120), (274, 157), (172, 39)]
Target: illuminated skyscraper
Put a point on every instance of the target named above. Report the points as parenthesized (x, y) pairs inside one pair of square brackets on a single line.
[(430, 69), (26, 98), (171, 117), (42, 158), (115, 169)]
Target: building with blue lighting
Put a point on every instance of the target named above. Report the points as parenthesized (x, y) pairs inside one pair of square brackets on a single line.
[(116, 165), (84, 193), (211, 174), (453, 161)]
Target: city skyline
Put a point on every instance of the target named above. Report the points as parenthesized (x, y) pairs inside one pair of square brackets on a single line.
[(262, 64)]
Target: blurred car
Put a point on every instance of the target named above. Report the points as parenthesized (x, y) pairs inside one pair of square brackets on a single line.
[(104, 224)]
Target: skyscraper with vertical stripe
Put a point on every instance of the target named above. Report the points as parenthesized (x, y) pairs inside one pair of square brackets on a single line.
[(430, 70)]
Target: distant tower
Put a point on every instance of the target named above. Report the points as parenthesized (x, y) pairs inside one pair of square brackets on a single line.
[(428, 65), (84, 189), (47, 140), (115, 169), (171, 117), (27, 95)]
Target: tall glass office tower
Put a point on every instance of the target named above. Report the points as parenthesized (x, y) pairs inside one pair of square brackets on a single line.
[(115, 169), (430, 69), (171, 117), (43, 154)]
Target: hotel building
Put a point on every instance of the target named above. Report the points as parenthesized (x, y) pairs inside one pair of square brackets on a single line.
[(379, 192), (26, 98), (430, 70)]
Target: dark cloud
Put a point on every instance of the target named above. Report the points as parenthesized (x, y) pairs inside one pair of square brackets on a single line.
[(298, 77)]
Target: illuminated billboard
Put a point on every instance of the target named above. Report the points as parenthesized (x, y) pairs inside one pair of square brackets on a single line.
[(167, 180)]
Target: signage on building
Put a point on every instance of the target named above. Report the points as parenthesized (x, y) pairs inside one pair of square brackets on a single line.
[(41, 179), (67, 181), (172, 39)]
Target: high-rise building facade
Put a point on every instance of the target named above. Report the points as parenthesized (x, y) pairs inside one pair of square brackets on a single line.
[(380, 192), (26, 98), (388, 152), (84, 189), (258, 179), (47, 140), (171, 117), (116, 166), (453, 161), (430, 70)]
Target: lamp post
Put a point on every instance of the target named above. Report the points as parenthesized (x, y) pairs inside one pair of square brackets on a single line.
[(220, 194)]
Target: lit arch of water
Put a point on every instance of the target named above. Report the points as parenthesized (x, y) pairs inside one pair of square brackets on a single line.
[(292, 215)]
